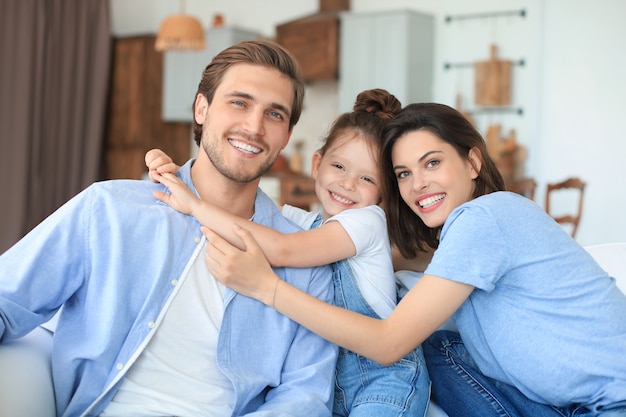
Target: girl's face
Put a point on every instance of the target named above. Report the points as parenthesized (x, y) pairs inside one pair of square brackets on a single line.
[(432, 178), (346, 176)]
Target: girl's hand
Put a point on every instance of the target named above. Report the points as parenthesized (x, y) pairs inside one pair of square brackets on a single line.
[(245, 271), (158, 162), (181, 197)]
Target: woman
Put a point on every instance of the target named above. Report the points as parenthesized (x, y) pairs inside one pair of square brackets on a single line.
[(542, 328)]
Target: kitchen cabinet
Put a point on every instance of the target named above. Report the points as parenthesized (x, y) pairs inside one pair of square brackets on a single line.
[(291, 188), (393, 50), (313, 42), (297, 190), (133, 122), (182, 71)]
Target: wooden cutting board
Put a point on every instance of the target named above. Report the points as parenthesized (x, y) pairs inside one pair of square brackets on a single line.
[(493, 81)]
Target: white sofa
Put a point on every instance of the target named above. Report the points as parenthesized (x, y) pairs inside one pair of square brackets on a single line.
[(26, 381), (26, 378)]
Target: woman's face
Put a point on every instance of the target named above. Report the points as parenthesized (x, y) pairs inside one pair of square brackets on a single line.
[(432, 178)]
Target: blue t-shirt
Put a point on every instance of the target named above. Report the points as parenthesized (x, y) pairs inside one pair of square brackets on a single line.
[(544, 316)]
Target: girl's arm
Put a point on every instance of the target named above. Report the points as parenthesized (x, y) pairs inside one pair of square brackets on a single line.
[(323, 245), (425, 307)]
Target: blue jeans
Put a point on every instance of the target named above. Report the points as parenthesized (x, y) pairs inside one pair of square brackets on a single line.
[(461, 390), (364, 388)]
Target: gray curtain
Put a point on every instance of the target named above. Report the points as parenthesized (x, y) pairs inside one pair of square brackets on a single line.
[(54, 76)]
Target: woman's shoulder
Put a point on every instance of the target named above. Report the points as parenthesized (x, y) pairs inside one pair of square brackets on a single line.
[(500, 197), (503, 202), (499, 212)]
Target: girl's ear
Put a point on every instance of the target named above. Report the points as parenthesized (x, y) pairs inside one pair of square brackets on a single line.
[(476, 161), (316, 160)]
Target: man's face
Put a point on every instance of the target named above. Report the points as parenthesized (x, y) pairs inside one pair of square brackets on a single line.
[(247, 124)]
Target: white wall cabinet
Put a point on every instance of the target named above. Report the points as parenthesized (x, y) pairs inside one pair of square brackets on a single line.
[(182, 71), (393, 50)]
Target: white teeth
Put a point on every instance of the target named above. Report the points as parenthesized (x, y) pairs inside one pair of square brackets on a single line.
[(244, 146), (427, 202), (341, 199)]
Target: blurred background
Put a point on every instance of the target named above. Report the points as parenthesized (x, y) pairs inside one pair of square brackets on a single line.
[(85, 93)]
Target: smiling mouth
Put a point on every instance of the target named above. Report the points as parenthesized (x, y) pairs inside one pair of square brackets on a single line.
[(431, 201), (244, 147), (341, 199)]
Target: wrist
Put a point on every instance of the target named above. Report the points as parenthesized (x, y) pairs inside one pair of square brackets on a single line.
[(270, 291), (275, 290), (195, 207)]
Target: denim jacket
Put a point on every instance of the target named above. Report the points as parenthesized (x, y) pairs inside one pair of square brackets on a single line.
[(114, 257)]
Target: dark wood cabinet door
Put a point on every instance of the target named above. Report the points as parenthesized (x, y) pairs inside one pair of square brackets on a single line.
[(134, 122)]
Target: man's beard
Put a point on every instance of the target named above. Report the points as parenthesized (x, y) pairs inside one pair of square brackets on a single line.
[(217, 159)]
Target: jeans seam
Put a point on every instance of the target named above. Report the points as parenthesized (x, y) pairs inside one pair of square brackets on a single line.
[(474, 383)]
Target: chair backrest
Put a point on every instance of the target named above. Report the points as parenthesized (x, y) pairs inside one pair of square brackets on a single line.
[(573, 218), (612, 258), (524, 186)]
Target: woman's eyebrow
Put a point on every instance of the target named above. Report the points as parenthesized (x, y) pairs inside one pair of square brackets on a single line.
[(427, 154)]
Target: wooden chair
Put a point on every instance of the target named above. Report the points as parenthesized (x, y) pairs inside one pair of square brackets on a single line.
[(524, 186), (572, 219)]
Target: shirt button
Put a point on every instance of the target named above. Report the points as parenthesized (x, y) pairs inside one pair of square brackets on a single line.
[(196, 239), (119, 366), (151, 325), (174, 282)]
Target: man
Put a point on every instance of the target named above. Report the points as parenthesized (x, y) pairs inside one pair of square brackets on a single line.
[(144, 329)]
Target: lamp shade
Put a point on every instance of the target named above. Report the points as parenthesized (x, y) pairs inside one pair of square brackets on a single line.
[(180, 31)]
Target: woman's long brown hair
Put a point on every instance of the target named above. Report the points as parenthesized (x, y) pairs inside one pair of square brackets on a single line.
[(406, 230)]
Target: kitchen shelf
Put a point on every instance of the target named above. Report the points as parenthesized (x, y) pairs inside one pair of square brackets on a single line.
[(506, 13), (449, 65), (479, 110)]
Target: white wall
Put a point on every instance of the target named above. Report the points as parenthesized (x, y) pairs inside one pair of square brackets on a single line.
[(570, 88), (583, 91)]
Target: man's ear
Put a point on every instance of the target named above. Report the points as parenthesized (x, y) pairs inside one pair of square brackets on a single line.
[(201, 106), (287, 139), (316, 160)]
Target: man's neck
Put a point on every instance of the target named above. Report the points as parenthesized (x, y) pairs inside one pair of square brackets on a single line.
[(212, 187)]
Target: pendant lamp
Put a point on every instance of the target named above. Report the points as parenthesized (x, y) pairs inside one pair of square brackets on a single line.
[(180, 32)]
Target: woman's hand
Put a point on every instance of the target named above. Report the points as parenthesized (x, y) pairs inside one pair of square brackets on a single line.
[(246, 271), (181, 197), (158, 162)]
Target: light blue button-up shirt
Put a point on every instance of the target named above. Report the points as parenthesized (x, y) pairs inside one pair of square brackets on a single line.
[(113, 258)]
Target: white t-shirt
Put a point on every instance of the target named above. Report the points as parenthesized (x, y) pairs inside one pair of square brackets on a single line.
[(177, 373), (372, 265)]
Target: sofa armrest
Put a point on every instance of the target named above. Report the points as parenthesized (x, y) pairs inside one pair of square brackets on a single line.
[(26, 388)]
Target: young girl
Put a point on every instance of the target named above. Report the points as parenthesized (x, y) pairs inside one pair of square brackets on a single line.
[(542, 328), (350, 232)]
